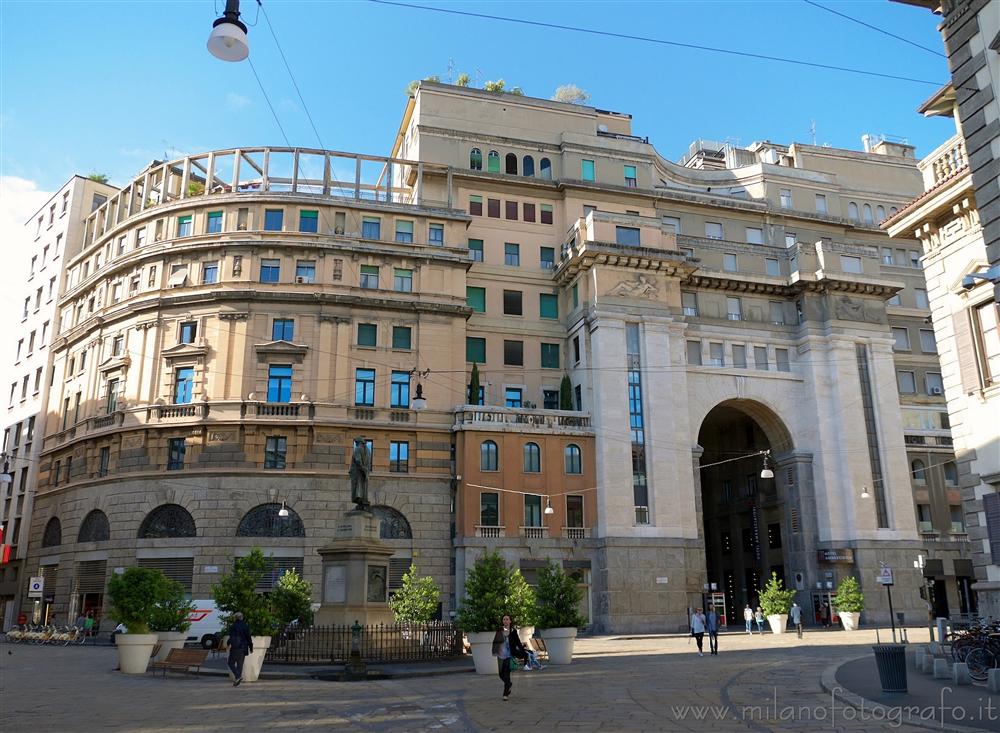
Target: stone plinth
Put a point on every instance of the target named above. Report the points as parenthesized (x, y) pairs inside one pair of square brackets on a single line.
[(355, 574)]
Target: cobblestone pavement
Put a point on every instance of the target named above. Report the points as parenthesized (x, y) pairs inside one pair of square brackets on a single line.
[(757, 683)]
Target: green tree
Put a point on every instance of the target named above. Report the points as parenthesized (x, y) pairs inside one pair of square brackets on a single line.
[(463, 80), (850, 599), (417, 600), (291, 600), (565, 393), (474, 385), (196, 188), (236, 591), (134, 596), (98, 177), (559, 598), (774, 597), (172, 611), (571, 93), (493, 589), (500, 87)]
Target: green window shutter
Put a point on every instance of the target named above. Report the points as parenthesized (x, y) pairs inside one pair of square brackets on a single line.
[(401, 337), (404, 227), (369, 270), (548, 305), (184, 219), (587, 170), (475, 349), (630, 171), (550, 356), (476, 298), (367, 334), (306, 214)]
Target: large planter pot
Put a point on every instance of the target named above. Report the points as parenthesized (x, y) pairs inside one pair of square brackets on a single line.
[(778, 622), (559, 643), (255, 660), (169, 640), (850, 619), (134, 651), (482, 651), (525, 632)]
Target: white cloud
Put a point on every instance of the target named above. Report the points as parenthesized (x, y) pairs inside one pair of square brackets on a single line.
[(237, 101), (19, 199)]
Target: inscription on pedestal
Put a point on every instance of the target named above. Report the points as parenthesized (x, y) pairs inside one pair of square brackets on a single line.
[(335, 584)]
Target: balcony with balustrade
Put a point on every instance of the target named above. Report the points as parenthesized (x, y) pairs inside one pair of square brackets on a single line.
[(522, 420)]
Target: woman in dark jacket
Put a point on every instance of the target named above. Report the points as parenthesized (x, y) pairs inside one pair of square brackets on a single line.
[(507, 645)]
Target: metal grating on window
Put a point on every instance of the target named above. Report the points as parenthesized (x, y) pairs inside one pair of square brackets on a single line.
[(991, 507), (90, 576), (795, 520), (50, 576), (180, 569), (397, 569), (278, 566)]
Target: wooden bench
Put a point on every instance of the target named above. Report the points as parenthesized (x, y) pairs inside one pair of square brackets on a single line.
[(182, 660)]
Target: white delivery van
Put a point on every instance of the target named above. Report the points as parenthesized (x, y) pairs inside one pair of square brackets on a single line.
[(206, 625)]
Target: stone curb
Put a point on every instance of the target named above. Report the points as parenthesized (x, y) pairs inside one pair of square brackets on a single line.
[(828, 680)]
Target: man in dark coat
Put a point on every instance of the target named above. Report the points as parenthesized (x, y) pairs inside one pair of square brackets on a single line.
[(240, 644)]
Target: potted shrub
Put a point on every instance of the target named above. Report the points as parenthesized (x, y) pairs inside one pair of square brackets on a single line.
[(558, 612), (291, 601), (775, 601), (850, 602), (133, 597), (170, 618), (417, 600), (492, 589), (235, 592)]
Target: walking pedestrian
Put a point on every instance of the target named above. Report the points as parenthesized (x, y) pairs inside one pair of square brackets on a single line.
[(825, 615), (240, 644), (758, 618), (88, 623), (796, 615), (698, 624), (712, 627), (507, 645), (748, 618)]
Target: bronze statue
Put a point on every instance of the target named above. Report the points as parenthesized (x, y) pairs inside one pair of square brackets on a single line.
[(361, 466)]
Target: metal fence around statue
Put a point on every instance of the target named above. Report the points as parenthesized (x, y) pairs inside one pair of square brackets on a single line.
[(385, 643)]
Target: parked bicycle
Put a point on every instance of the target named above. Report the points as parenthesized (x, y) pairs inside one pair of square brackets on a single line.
[(978, 647)]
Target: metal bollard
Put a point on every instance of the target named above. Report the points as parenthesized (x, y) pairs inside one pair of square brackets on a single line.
[(928, 667), (960, 674), (942, 629), (941, 670), (993, 680), (918, 660)]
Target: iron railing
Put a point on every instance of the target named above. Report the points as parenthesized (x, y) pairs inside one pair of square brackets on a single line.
[(381, 643)]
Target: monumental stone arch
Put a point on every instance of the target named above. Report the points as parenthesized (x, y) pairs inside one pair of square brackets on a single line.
[(752, 525)]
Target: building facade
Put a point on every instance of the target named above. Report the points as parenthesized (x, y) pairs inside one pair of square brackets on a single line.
[(50, 237)]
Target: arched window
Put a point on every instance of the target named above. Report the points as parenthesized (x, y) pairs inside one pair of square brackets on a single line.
[(893, 210), (510, 164), (166, 521), (53, 533), (852, 211), (532, 458), (919, 471), (545, 169), (488, 460), (573, 462), (880, 213), (868, 214), (476, 159), (95, 527), (493, 162), (951, 473), (528, 166), (264, 521), (392, 525)]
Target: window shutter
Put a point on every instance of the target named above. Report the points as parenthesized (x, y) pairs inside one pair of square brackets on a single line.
[(90, 576), (991, 506), (180, 569), (965, 346)]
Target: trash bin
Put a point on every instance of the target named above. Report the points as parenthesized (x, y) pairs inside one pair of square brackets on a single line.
[(891, 660)]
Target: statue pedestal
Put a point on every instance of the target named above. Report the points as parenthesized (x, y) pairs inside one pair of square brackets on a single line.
[(355, 574)]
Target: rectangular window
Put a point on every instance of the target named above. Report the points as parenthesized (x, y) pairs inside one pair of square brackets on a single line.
[(369, 277), (435, 235), (578, 397), (901, 337), (308, 221), (781, 360), (273, 219), (914, 258), (689, 302), (933, 383), (401, 337), (550, 356), (627, 235), (111, 398), (851, 264), (510, 210), (546, 214), (282, 329), (183, 226), (547, 257), (489, 510), (512, 305), (476, 250), (512, 254), (920, 295), (928, 344), (550, 399), (513, 397), (279, 383), (305, 271), (548, 305), (402, 280), (364, 387), (777, 312), (716, 356), (371, 227), (587, 170), (210, 273), (713, 230), (404, 231), (367, 334), (672, 223), (739, 356), (183, 385), (475, 350), (528, 212), (785, 195), (734, 309), (907, 382), (270, 271), (730, 263), (175, 454), (513, 353), (399, 456), (820, 203), (275, 451), (773, 267), (894, 300), (694, 353), (575, 295), (576, 349), (188, 332), (475, 298), (760, 357), (117, 345), (790, 239), (886, 255), (630, 178), (399, 390), (214, 224), (532, 510), (493, 208), (476, 205), (755, 235)]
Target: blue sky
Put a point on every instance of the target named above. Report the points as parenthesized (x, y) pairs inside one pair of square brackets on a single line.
[(106, 86)]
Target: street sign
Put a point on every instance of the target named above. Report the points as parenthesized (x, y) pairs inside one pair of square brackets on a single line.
[(885, 576), (662, 580), (36, 586)]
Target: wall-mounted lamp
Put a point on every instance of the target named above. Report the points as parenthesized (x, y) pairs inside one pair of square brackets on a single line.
[(283, 512), (766, 472), (864, 493), (419, 402)]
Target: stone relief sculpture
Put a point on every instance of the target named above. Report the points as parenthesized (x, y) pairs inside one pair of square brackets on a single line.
[(641, 287), (853, 309)]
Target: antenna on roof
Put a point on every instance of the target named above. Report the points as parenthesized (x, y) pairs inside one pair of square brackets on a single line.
[(812, 130), (451, 71)]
